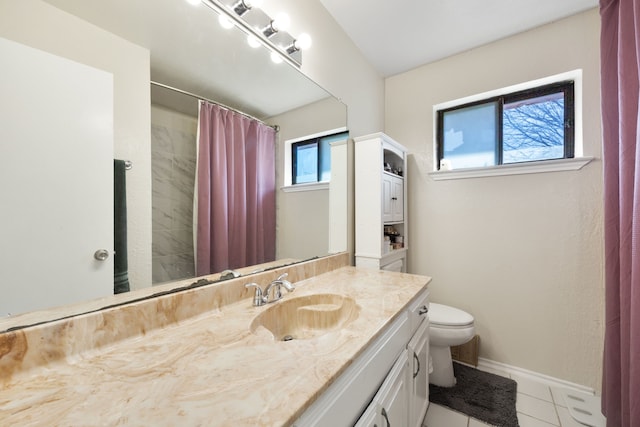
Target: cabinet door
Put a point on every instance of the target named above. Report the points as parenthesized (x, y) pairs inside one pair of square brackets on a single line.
[(419, 374), (397, 199), (387, 198), (393, 395), (370, 417)]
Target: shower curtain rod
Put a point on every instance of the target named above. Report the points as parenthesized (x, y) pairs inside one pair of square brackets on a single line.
[(193, 95)]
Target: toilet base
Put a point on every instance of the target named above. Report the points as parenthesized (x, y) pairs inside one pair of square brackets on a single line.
[(442, 374)]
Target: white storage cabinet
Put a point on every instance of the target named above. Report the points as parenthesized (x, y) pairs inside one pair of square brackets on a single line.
[(380, 201)]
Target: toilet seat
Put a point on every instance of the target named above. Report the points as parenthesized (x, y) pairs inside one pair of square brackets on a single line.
[(443, 316)]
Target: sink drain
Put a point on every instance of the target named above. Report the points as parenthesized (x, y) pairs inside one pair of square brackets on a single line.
[(287, 338)]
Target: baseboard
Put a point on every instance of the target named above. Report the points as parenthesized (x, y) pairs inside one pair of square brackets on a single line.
[(490, 365)]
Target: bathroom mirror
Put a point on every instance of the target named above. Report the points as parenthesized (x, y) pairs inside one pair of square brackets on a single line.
[(189, 51)]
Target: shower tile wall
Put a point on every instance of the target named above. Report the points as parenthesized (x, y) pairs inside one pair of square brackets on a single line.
[(173, 162)]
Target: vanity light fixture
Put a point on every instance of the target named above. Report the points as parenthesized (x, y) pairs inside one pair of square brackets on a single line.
[(276, 57), (301, 43), (261, 29), (253, 41), (280, 23), (225, 22), (243, 6)]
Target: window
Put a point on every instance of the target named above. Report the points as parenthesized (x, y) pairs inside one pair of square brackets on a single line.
[(524, 126), (311, 158)]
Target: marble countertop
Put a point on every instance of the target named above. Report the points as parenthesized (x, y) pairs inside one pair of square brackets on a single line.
[(208, 369)]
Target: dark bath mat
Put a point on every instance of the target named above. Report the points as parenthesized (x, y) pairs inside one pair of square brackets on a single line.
[(487, 397)]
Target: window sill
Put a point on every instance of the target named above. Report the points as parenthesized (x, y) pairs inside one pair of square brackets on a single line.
[(313, 186), (513, 169)]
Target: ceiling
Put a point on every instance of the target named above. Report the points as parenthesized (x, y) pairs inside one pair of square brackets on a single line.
[(396, 36)]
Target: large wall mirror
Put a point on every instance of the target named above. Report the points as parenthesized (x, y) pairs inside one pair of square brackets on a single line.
[(190, 52)]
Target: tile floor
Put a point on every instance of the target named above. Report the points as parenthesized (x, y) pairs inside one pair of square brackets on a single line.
[(537, 404)]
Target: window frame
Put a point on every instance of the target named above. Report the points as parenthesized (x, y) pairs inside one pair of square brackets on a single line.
[(294, 157), (567, 87), (555, 165), (287, 177)]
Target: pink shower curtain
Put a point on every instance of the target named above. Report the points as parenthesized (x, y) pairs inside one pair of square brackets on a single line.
[(620, 70), (235, 207)]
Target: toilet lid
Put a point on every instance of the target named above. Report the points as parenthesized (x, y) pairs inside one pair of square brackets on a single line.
[(448, 316)]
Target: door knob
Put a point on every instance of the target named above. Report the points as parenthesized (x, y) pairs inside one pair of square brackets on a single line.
[(101, 254)]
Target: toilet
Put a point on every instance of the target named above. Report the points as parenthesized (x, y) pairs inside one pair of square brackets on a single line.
[(448, 326)]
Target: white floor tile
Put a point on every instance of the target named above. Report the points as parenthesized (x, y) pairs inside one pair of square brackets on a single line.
[(537, 408), (440, 416), (557, 397), (475, 423), (527, 421), (532, 387)]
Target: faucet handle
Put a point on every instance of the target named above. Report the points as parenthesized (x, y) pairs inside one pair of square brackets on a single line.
[(258, 300), (287, 284)]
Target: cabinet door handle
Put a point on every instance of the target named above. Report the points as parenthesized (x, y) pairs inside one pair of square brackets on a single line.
[(415, 356), (384, 414), (423, 310), (394, 198)]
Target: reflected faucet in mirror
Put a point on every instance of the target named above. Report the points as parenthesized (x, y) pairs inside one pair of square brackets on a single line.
[(229, 274)]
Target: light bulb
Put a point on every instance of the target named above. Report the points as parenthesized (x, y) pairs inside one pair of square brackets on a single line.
[(276, 58), (225, 22), (193, 2), (253, 41), (281, 22), (303, 41)]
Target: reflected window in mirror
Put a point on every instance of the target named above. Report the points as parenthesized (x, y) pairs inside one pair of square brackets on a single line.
[(310, 157)]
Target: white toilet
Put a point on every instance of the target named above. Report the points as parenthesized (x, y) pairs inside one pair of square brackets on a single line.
[(448, 327)]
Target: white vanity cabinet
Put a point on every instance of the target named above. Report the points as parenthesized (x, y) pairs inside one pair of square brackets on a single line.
[(381, 202), (418, 353), (387, 384), (389, 406)]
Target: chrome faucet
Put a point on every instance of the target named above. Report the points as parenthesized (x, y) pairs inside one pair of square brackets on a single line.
[(258, 299), (261, 298), (278, 283)]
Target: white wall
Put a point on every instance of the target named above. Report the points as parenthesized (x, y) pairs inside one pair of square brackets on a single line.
[(42, 26), (524, 253), (304, 213), (335, 63)]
